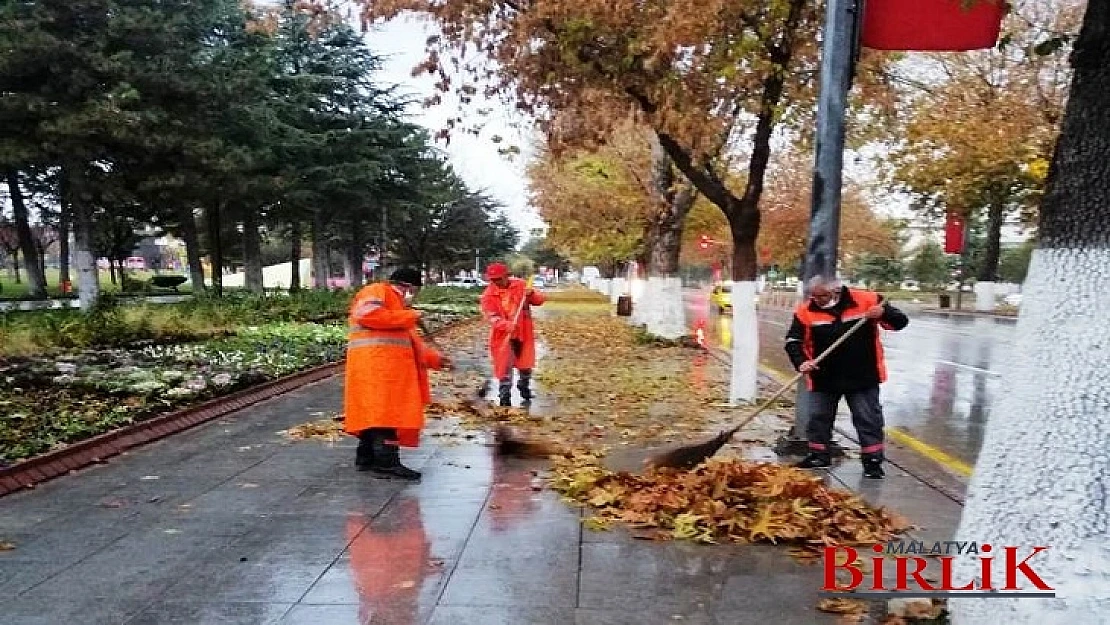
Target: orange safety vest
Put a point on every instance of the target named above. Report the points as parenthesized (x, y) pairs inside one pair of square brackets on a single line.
[(387, 366), (816, 321)]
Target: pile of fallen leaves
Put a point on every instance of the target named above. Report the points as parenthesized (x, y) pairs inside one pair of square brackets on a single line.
[(721, 501), (330, 429)]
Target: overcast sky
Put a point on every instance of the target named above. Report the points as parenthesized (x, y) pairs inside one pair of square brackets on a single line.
[(476, 159)]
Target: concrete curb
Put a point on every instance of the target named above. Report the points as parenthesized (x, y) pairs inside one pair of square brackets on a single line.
[(32, 471)]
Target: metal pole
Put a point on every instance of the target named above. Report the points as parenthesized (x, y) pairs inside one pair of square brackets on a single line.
[(837, 64), (477, 268)]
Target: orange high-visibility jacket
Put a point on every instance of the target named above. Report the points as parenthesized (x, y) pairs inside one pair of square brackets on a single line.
[(498, 306), (387, 366)]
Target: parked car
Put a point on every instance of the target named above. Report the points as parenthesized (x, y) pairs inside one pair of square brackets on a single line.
[(465, 283), (721, 297)]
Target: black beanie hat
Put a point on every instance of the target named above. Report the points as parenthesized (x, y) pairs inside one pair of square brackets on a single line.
[(408, 275)]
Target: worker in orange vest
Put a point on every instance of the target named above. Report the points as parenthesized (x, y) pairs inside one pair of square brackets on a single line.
[(511, 346), (387, 374), (853, 371)]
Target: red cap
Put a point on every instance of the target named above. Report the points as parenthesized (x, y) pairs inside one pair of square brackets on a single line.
[(497, 270)]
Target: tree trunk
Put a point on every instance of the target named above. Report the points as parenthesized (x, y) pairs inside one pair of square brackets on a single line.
[(63, 235), (15, 266), (191, 236), (36, 279), (252, 252), (216, 250), (1042, 474), (321, 268), (88, 278), (112, 271), (663, 239), (297, 235), (354, 256), (988, 270)]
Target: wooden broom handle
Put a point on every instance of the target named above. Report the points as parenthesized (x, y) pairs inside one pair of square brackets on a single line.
[(794, 380)]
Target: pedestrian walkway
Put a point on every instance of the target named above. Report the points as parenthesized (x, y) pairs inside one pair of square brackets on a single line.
[(232, 523)]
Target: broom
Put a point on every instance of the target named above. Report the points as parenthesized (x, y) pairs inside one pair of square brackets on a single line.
[(690, 456)]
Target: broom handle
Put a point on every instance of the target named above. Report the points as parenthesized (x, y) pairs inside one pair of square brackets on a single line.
[(794, 380), (516, 318)]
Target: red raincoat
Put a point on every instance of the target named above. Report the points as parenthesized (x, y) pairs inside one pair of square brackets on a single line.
[(499, 306)]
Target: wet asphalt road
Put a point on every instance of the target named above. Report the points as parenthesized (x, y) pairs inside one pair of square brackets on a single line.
[(943, 372)]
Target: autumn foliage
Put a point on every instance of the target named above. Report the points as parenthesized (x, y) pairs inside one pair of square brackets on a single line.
[(785, 215)]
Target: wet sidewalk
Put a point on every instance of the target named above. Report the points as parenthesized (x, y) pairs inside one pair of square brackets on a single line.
[(232, 523)]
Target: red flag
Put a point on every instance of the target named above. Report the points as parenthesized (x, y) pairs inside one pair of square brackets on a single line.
[(937, 25), (954, 234)]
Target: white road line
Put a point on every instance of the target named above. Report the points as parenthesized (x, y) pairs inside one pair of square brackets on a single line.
[(963, 366)]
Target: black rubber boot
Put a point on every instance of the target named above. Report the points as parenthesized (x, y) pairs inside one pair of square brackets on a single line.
[(523, 384), (364, 454), (505, 391), (873, 466), (387, 457), (815, 460)]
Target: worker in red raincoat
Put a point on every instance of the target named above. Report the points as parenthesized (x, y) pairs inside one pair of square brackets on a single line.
[(512, 340)]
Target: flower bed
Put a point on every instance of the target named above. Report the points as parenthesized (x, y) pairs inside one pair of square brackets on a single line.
[(65, 396)]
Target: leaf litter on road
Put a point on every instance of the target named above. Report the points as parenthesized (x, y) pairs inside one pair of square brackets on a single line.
[(726, 501)]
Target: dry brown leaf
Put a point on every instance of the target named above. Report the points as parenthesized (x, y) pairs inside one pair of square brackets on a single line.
[(6, 546), (325, 429), (840, 605)]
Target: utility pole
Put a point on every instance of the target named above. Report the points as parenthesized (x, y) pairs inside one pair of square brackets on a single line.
[(477, 267), (838, 57)]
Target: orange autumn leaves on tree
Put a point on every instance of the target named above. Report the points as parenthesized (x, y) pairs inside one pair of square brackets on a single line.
[(785, 215), (983, 135), (596, 203)]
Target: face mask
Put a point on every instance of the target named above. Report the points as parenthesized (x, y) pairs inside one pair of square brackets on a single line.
[(833, 302), (408, 297)]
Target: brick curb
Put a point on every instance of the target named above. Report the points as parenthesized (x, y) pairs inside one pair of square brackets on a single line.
[(52, 464)]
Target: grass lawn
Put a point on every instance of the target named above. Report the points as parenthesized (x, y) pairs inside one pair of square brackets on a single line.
[(10, 289)]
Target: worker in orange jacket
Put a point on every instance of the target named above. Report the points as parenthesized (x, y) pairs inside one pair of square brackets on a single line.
[(511, 346), (387, 374)]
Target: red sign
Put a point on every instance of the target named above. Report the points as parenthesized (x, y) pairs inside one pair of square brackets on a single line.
[(937, 25), (954, 234)]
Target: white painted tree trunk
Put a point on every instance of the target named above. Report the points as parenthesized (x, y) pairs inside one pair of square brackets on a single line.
[(745, 344), (616, 289), (984, 296), (667, 318), (1042, 475), (88, 282), (643, 301)]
